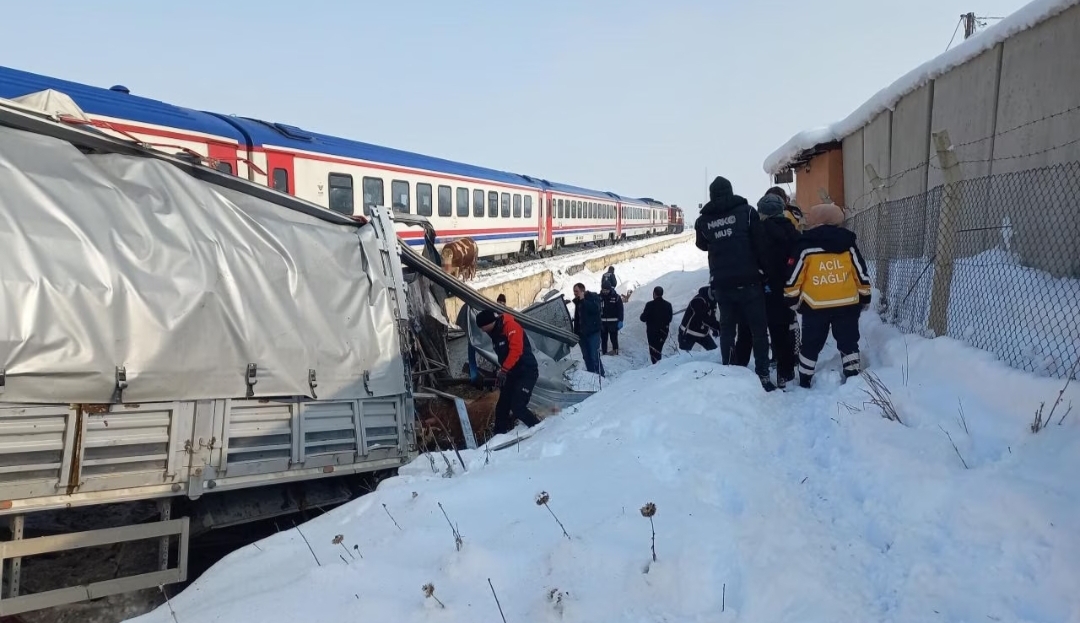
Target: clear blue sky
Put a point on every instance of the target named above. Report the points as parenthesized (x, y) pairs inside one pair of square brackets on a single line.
[(640, 98)]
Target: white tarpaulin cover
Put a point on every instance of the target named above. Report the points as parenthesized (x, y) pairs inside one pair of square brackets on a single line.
[(110, 260)]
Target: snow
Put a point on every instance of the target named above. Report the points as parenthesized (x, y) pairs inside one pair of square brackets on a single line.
[(798, 506), (1026, 17), (502, 274)]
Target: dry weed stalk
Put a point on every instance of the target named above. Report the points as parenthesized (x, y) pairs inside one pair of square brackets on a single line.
[(307, 543), (649, 510), (954, 446), (161, 587), (340, 540), (391, 516), (1039, 423), (880, 397), (497, 600), (542, 500), (458, 542), (429, 593), (963, 420)]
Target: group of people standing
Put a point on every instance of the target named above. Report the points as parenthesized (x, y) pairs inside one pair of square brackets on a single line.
[(766, 265)]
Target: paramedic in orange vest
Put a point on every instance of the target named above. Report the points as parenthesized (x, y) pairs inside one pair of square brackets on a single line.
[(829, 285), (518, 369)]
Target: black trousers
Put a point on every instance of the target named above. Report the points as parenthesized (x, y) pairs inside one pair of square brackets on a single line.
[(744, 345), (782, 338), (514, 399), (744, 305), (657, 338), (609, 330), (686, 341), (844, 322)]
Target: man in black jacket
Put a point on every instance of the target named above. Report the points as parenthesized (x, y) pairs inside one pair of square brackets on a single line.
[(657, 317), (730, 230), (699, 320), (518, 369), (611, 319), (781, 238), (587, 327)]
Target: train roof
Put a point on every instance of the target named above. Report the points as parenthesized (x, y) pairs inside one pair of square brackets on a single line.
[(263, 133), (116, 102)]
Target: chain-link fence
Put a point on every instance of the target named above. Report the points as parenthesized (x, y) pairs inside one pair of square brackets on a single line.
[(991, 261)]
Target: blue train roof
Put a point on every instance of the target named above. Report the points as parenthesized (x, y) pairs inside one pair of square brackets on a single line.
[(116, 103), (292, 137)]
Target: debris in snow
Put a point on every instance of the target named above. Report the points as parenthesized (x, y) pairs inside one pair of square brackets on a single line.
[(649, 510), (1026, 17)]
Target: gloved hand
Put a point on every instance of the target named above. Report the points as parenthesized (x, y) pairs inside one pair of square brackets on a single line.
[(500, 378), (620, 325)]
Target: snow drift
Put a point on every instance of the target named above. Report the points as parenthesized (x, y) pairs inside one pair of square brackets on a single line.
[(804, 505), (1029, 16)]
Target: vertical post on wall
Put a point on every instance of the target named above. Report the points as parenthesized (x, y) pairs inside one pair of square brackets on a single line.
[(882, 233), (945, 243)]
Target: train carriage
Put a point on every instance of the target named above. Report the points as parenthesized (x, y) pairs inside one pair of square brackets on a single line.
[(507, 214)]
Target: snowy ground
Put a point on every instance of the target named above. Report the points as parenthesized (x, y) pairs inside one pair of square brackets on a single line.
[(500, 274), (796, 506)]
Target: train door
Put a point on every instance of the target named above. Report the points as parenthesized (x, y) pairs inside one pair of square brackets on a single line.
[(280, 172), (618, 220), (224, 157), (546, 222)]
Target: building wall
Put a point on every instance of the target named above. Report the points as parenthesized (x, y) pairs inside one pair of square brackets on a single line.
[(823, 174), (1009, 112)]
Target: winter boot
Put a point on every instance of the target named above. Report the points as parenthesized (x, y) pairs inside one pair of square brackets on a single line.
[(804, 380), (766, 383), (781, 382)]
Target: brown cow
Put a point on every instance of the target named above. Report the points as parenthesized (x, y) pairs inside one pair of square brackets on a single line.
[(459, 258)]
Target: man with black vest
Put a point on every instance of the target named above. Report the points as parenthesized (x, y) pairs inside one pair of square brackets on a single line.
[(731, 231)]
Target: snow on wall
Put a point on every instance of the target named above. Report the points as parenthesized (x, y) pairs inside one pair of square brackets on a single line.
[(1028, 16)]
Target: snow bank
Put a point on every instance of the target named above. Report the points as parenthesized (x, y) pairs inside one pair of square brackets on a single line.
[(791, 506), (1026, 17)]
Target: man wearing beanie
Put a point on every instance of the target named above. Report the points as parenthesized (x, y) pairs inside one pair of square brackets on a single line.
[(517, 372), (781, 237), (731, 232)]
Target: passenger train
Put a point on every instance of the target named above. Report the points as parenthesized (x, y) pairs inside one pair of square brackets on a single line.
[(509, 215)]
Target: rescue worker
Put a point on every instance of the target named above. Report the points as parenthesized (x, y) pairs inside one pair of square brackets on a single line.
[(829, 286), (587, 327), (611, 319), (608, 280), (781, 237), (517, 373), (730, 230), (501, 299), (657, 317), (791, 211), (698, 322)]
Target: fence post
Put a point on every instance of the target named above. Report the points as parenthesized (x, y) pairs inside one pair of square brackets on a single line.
[(881, 235), (945, 243)]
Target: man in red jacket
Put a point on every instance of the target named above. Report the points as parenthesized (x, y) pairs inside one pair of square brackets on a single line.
[(518, 369)]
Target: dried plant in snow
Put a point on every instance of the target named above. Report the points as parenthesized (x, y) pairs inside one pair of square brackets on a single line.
[(429, 593), (880, 397), (497, 600), (391, 516), (340, 540), (649, 510), (542, 500), (1039, 423), (458, 542)]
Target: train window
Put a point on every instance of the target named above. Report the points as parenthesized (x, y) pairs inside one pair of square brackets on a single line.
[(281, 180), (446, 197), (341, 192), (462, 202), (423, 199), (493, 204), (224, 167), (574, 209), (517, 205), (528, 206), (478, 203), (580, 214), (505, 204), (399, 191), (592, 210), (373, 191), (559, 208)]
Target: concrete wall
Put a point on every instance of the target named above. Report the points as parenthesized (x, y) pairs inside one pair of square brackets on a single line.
[(823, 174), (1008, 112), (521, 292)]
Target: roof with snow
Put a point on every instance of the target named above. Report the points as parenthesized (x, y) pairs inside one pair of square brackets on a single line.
[(1026, 17)]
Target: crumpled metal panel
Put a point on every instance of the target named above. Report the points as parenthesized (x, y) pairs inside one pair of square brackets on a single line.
[(113, 261)]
